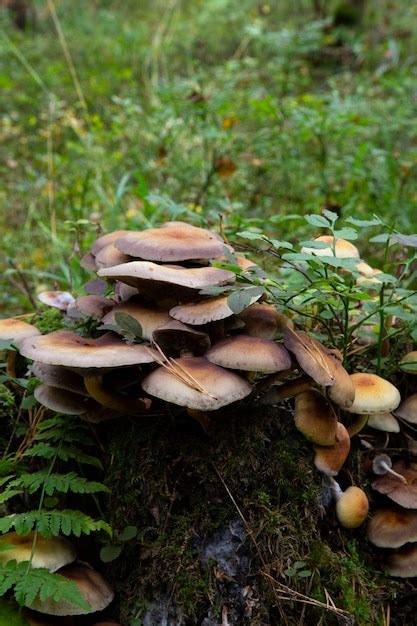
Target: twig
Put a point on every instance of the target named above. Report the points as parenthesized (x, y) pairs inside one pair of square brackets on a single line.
[(26, 287)]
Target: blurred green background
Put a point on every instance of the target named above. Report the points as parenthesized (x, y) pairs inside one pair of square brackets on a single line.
[(119, 113)]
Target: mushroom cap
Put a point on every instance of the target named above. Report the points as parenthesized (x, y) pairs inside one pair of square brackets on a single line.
[(352, 507), (329, 459), (52, 554), (16, 330), (88, 261), (60, 377), (408, 409), (385, 422), (264, 321), (106, 240), (392, 527), (312, 356), (63, 401), (96, 591), (250, 354), (403, 562), (204, 312), (315, 419), (373, 394), (342, 392), (365, 269), (409, 362), (57, 299), (175, 337), (342, 249), (403, 494), (240, 261), (110, 256), (93, 306), (149, 318), (220, 386), (179, 242), (153, 277), (66, 348)]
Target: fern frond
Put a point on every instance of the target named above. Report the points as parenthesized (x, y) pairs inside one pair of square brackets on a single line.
[(31, 583), (55, 482), (64, 453), (53, 523)]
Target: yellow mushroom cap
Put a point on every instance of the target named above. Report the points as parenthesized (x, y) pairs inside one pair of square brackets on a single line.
[(52, 554), (373, 394), (16, 331), (340, 248), (352, 507)]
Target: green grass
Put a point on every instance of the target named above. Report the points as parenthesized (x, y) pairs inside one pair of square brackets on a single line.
[(308, 115)]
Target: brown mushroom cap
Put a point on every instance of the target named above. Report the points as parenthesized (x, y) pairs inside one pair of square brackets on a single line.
[(312, 356), (158, 278), (58, 299), (109, 256), (342, 392), (392, 527), (106, 240), (408, 409), (409, 362), (250, 354), (175, 337), (204, 312), (88, 261), (315, 419), (71, 350), (264, 321), (403, 562), (220, 387), (15, 330), (60, 377), (63, 401), (93, 306), (149, 318), (329, 459), (340, 248), (96, 591), (52, 554), (404, 494), (352, 507), (176, 243), (373, 394)]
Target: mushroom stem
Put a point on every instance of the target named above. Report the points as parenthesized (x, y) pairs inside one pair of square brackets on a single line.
[(201, 417), (388, 470), (288, 390), (335, 488), (11, 357), (113, 400), (358, 425), (269, 381)]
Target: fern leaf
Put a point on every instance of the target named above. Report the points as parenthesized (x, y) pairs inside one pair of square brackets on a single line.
[(65, 453), (56, 482), (52, 523)]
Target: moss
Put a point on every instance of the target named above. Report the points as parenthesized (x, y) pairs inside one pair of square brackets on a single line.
[(7, 402), (48, 320)]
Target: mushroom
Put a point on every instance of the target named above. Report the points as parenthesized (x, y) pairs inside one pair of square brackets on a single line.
[(409, 362), (175, 338), (403, 492), (287, 390), (337, 247), (92, 358), (206, 311), (110, 256), (95, 590), (392, 527), (352, 505), (63, 401), (315, 419), (179, 242), (250, 354), (408, 409), (196, 383), (373, 395), (382, 465), (149, 317), (403, 562), (161, 281), (93, 306), (385, 422), (58, 299), (15, 331), (264, 321), (329, 459), (59, 377), (106, 240), (51, 554)]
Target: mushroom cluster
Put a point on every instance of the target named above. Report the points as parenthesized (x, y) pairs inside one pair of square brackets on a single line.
[(58, 555)]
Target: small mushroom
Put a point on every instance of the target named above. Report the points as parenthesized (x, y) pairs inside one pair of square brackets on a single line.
[(149, 317), (264, 321), (93, 306), (352, 505), (52, 554), (15, 331), (206, 311), (409, 362), (408, 409), (250, 354), (382, 465), (58, 299), (96, 592), (385, 422), (337, 247), (392, 527), (63, 401), (176, 338), (403, 562), (402, 492), (106, 240), (373, 395), (330, 459), (315, 419)]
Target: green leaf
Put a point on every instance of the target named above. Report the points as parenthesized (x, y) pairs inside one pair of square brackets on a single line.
[(317, 220), (364, 223), (330, 215), (128, 533), (53, 523), (29, 402), (110, 553), (240, 300), (128, 324), (410, 241), (346, 233)]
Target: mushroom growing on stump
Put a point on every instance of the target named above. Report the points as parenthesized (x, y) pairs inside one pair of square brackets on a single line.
[(330, 459), (92, 358), (373, 395), (95, 590), (15, 331), (51, 554), (352, 505), (315, 419)]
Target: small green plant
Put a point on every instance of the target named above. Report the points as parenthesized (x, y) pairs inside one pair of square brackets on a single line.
[(298, 569)]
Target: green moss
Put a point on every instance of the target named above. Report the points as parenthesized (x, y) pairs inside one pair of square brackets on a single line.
[(48, 320), (7, 402)]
